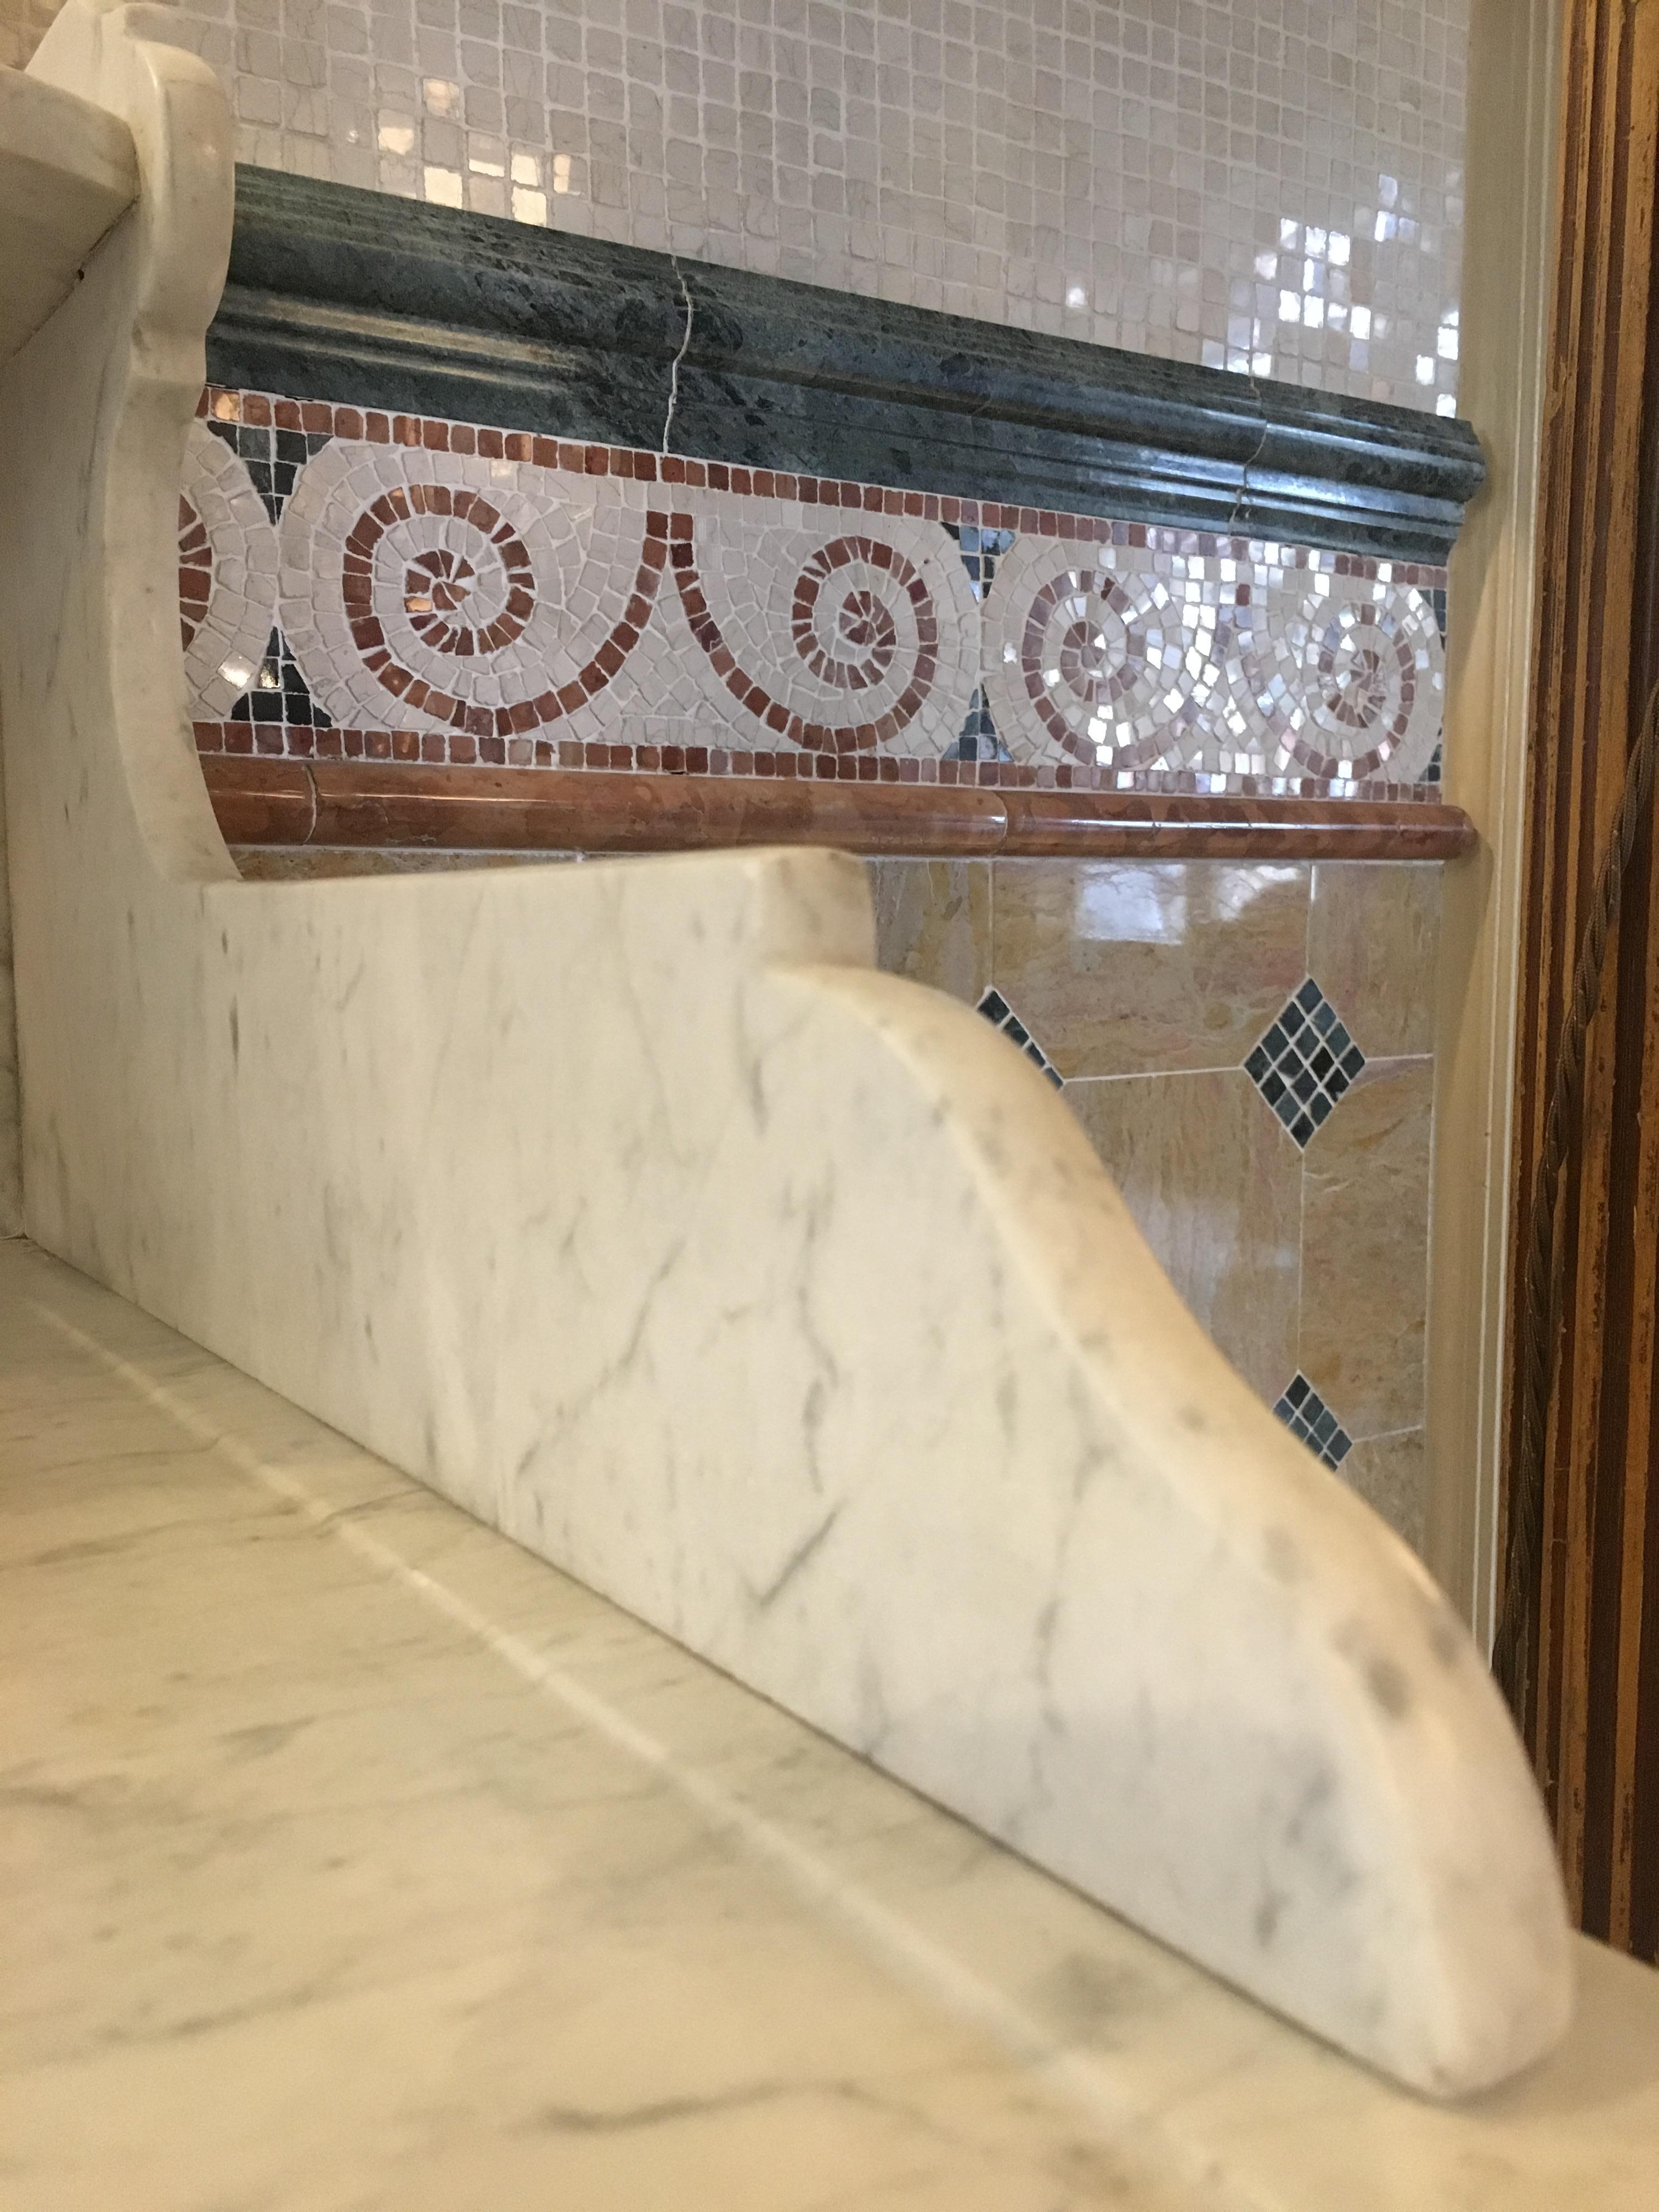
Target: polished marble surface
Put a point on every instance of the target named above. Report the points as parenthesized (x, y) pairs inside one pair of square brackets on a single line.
[(356, 1859), (1142, 968), (67, 172), (1137, 967), (1373, 939), (1215, 1186), (934, 923), (360, 804), (546, 331), (631, 1208), (1390, 1473), (1365, 1248)]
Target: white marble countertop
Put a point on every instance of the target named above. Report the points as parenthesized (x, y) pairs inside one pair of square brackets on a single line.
[(354, 1858)]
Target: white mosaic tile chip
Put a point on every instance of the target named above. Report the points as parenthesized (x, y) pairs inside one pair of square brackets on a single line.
[(228, 565)]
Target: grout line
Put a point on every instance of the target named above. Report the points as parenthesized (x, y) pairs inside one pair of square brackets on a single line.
[(1301, 1173), (926, 1966), (1154, 1075)]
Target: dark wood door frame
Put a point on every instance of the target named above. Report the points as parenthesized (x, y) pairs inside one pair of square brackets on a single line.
[(1590, 1706)]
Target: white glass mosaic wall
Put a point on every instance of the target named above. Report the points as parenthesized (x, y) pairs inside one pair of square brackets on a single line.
[(1272, 186)]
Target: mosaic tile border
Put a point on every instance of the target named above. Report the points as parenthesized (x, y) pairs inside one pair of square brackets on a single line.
[(538, 603)]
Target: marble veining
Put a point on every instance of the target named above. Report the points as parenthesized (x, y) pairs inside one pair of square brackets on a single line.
[(777, 1299), (354, 1856), (379, 299)]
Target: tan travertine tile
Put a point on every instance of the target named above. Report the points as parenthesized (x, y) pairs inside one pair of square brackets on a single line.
[(1373, 934), (1366, 1248), (1136, 967), (1391, 1473), (934, 923), (1214, 1183)]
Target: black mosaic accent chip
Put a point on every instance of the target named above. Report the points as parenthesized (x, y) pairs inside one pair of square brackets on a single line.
[(272, 458), (1001, 1016), (978, 740), (278, 693), (981, 549), (1305, 1062), (1311, 1422)]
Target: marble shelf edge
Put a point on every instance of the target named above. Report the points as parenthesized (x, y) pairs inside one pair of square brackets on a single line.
[(283, 802), (361, 297)]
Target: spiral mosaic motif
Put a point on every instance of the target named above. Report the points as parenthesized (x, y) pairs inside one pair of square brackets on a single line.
[(227, 575), (449, 592), (838, 640), (1342, 677), (452, 592), (1098, 656)]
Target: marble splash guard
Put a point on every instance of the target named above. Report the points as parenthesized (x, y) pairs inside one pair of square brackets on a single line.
[(777, 1300)]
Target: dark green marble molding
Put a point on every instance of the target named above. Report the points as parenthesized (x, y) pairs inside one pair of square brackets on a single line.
[(359, 297)]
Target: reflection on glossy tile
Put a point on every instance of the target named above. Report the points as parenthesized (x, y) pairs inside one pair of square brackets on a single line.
[(1373, 933), (1391, 1473), (1364, 1250), (934, 923), (1215, 1185), (1136, 967)]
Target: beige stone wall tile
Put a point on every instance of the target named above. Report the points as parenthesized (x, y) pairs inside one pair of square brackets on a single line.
[(1132, 967), (1373, 934), (934, 923), (1365, 1249), (1391, 1473), (1215, 1185)]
